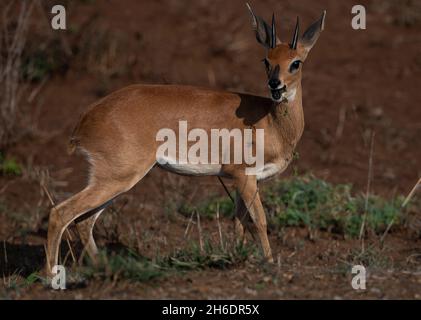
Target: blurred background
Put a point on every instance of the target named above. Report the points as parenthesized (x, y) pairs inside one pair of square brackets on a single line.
[(360, 88)]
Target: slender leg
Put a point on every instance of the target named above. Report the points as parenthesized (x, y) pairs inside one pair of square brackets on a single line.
[(61, 216), (85, 228), (242, 219), (106, 183), (239, 231), (247, 189)]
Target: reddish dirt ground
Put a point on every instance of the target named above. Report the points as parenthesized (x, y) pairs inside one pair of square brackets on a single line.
[(354, 82)]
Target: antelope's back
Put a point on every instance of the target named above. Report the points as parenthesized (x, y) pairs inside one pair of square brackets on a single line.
[(137, 112)]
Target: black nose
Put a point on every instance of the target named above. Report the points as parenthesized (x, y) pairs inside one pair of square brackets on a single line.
[(274, 83)]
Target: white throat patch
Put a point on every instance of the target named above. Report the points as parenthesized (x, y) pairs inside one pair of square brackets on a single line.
[(290, 94)]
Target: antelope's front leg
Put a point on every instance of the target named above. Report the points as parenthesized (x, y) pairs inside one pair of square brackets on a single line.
[(241, 219), (249, 193)]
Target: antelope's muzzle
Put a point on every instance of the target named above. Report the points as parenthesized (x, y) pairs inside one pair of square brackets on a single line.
[(276, 94), (275, 86)]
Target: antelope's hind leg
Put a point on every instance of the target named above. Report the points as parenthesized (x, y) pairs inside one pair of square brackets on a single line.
[(105, 186), (85, 226), (91, 198)]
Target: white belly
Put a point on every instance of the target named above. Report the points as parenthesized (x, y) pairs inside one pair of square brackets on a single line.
[(270, 170), (191, 169)]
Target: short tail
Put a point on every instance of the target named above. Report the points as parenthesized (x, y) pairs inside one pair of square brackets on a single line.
[(74, 140)]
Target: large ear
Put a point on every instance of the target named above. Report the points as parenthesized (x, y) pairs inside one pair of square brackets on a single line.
[(265, 34), (311, 35)]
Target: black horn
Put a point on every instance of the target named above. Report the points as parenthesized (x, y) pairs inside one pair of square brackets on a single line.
[(273, 42), (294, 42)]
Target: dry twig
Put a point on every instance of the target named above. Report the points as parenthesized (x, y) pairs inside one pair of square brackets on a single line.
[(369, 179)]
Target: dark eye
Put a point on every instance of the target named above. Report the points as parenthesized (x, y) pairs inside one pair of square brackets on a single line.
[(295, 66), (267, 64)]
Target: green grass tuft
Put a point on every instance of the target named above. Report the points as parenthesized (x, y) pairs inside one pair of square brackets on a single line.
[(311, 202), (9, 167), (211, 257), (314, 203), (209, 207), (127, 265), (131, 266)]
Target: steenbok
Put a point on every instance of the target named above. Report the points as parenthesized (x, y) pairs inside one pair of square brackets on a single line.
[(118, 135)]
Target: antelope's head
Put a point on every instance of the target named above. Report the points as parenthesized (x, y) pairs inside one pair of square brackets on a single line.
[(283, 61)]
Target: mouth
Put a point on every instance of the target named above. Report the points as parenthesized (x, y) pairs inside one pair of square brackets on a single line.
[(277, 94)]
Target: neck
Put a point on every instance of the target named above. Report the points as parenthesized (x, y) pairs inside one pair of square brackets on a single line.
[(288, 118)]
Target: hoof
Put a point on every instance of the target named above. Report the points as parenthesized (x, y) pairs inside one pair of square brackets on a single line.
[(270, 260)]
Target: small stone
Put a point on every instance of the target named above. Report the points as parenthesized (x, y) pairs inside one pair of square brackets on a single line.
[(250, 291)]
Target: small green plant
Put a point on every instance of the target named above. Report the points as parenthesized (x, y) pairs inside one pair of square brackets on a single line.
[(9, 167), (32, 278)]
